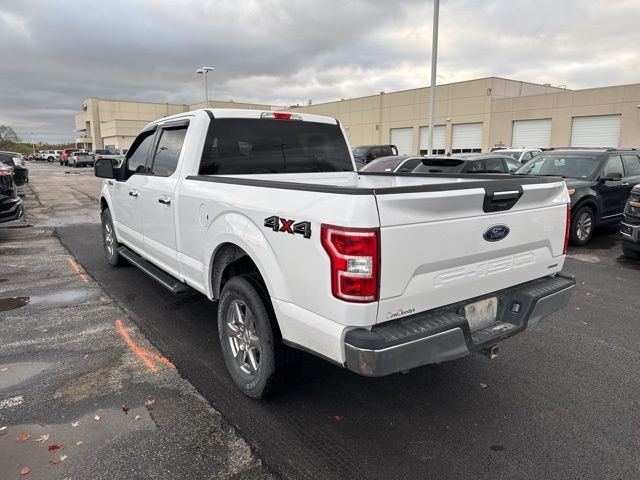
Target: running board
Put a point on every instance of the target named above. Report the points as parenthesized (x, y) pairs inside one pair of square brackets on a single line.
[(169, 282)]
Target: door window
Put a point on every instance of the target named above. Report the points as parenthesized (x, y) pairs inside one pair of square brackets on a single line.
[(410, 164), (476, 166), (632, 164), (495, 165), (168, 151), (526, 157), (138, 153), (613, 166), (512, 164)]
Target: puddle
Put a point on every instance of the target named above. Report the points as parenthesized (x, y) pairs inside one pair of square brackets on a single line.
[(12, 303)]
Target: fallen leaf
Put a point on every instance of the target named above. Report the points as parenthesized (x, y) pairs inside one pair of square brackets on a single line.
[(25, 471), (138, 417), (149, 402), (483, 385), (97, 418), (337, 418), (75, 424), (53, 447), (78, 443), (59, 459), (3, 430), (23, 437), (42, 438), (125, 409)]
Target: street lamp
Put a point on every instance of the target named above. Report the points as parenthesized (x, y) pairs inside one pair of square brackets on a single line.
[(204, 71), (434, 66)]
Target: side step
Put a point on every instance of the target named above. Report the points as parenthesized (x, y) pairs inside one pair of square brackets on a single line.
[(172, 284)]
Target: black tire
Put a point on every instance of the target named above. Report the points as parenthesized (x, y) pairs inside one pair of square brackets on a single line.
[(109, 240), (276, 363), (583, 221), (633, 254), (75, 164)]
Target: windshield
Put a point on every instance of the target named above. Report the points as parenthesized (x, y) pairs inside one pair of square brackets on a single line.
[(250, 146), (383, 164), (439, 165), (572, 166), (359, 151)]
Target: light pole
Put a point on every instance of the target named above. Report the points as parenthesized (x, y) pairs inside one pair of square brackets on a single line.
[(434, 65), (33, 144), (204, 71)]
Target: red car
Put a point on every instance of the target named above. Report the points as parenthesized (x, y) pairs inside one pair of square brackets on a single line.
[(64, 156)]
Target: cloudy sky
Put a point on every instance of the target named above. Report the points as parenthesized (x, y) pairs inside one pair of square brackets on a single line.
[(55, 53)]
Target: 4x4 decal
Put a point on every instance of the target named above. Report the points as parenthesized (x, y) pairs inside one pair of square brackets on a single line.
[(278, 224)]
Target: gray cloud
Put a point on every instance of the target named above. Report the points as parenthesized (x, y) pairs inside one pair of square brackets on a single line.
[(56, 53)]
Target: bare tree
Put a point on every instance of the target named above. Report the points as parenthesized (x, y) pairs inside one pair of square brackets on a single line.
[(8, 137)]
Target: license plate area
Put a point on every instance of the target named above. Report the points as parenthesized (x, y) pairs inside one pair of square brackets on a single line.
[(481, 313)]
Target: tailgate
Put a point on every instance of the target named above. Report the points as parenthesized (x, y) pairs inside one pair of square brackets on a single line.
[(442, 247)]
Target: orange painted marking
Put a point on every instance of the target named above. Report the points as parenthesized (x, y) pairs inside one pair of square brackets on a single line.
[(145, 356), (78, 269)]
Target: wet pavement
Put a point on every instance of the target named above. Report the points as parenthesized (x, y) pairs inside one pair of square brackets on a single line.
[(83, 394)]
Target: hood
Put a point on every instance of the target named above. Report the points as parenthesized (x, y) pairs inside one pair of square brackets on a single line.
[(577, 183)]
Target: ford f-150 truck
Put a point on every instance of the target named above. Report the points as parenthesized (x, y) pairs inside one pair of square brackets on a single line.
[(265, 213)]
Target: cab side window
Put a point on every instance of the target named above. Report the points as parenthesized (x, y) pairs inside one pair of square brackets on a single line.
[(632, 164), (168, 151), (495, 165), (613, 166), (138, 153)]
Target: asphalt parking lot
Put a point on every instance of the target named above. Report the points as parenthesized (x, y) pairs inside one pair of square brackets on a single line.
[(561, 401)]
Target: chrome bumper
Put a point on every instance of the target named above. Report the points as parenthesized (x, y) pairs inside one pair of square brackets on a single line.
[(444, 334)]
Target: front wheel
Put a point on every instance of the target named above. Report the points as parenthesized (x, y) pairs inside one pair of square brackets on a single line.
[(582, 225), (110, 241), (255, 356)]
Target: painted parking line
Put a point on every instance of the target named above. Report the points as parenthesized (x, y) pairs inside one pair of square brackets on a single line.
[(78, 269), (147, 358)]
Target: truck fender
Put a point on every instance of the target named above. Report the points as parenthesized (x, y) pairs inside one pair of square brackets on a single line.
[(234, 229)]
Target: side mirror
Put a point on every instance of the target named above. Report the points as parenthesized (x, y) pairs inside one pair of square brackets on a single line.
[(106, 168), (612, 177)]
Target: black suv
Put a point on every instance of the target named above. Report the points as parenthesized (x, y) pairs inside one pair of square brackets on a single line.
[(630, 228), (599, 182), (367, 153)]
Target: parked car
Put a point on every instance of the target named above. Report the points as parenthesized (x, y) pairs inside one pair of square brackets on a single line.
[(378, 273), (51, 155), (521, 155), (64, 156), (100, 154), (630, 228), (599, 182), (11, 206), (468, 163), (81, 159), (397, 163), (367, 153), (20, 170)]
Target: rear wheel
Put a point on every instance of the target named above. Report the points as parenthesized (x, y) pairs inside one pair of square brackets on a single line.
[(582, 225), (110, 241), (257, 360)]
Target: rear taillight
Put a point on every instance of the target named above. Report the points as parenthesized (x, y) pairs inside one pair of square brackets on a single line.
[(566, 230), (355, 262)]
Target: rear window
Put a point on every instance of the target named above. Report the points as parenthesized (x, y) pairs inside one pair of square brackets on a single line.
[(439, 165), (382, 164), (251, 146)]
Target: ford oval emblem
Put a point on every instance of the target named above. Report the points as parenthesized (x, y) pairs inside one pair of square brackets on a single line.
[(496, 233)]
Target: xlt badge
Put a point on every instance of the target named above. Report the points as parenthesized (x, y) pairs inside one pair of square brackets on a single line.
[(278, 224)]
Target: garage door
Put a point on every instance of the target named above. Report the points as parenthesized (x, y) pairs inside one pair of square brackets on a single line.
[(466, 137), (439, 139), (403, 139), (531, 133), (597, 131)]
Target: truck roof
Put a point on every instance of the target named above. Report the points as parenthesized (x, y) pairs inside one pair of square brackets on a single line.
[(245, 113)]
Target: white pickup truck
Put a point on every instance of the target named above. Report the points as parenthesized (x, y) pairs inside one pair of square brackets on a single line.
[(264, 213)]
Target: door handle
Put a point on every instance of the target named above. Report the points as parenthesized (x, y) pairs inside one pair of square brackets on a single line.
[(164, 201), (133, 193)]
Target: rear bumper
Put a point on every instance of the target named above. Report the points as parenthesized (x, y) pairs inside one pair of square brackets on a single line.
[(11, 209), (444, 334)]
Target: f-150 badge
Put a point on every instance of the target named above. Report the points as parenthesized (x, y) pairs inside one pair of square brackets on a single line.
[(278, 224)]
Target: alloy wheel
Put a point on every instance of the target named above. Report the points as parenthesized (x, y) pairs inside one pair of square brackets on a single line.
[(243, 338), (584, 226)]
